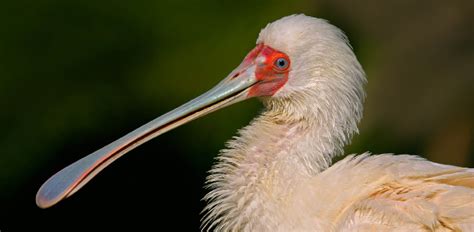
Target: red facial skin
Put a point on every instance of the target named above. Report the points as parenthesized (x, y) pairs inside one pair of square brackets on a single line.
[(271, 78)]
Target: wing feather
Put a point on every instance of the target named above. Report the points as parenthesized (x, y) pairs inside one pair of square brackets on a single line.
[(411, 194)]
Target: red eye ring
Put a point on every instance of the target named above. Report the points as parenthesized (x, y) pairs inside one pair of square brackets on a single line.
[(281, 64)]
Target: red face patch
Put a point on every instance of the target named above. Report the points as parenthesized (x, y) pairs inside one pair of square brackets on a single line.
[(272, 68)]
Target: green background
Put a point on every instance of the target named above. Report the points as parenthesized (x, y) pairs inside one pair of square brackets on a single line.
[(75, 75)]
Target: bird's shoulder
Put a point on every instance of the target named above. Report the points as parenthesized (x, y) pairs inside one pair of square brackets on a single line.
[(400, 192)]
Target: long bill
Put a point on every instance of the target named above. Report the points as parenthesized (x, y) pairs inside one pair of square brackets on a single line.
[(66, 182)]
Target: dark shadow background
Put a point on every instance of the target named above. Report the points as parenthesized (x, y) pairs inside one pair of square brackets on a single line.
[(75, 75)]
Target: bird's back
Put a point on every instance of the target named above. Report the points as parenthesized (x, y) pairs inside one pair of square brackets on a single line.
[(392, 193)]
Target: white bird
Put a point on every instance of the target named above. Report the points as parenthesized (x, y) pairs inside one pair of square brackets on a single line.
[(278, 174)]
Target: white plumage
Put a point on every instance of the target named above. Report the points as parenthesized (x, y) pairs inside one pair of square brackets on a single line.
[(277, 175)]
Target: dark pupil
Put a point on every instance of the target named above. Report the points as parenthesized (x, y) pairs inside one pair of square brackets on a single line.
[(281, 63)]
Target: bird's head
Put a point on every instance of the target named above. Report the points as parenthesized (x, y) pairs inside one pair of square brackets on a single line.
[(302, 67)]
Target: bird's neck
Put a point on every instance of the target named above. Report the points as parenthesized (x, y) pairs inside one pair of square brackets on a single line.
[(262, 166)]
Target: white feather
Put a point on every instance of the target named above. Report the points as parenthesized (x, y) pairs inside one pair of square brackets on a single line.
[(277, 175)]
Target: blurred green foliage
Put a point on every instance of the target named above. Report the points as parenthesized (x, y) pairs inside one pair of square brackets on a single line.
[(82, 67)]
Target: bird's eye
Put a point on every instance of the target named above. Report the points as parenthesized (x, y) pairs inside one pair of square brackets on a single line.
[(281, 63)]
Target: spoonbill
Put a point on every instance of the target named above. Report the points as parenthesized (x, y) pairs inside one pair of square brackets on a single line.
[(278, 175)]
